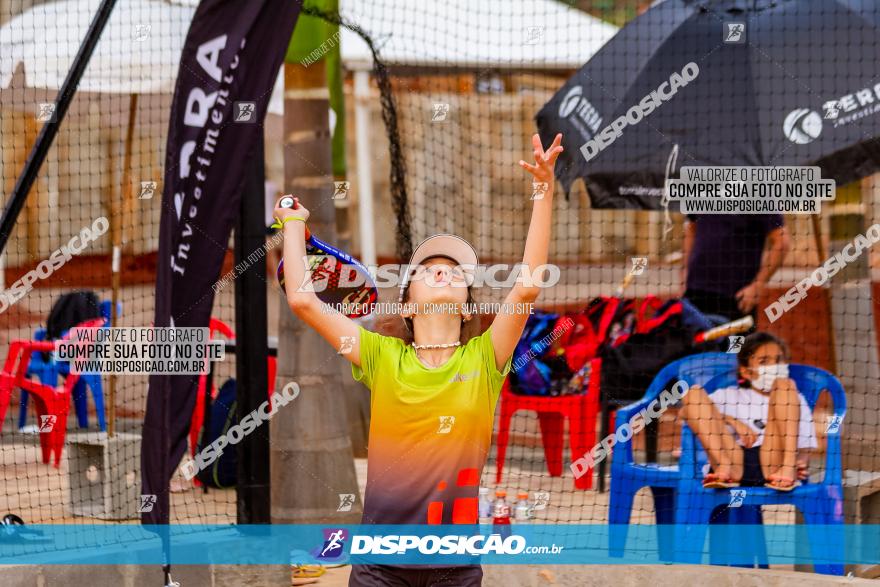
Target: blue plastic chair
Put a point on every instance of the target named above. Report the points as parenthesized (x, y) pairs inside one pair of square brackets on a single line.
[(627, 476), (48, 371), (820, 503)]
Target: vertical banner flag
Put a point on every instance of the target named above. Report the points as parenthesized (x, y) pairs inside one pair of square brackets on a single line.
[(228, 66)]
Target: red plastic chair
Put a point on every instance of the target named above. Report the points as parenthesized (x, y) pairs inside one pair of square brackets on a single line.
[(581, 412), (48, 401)]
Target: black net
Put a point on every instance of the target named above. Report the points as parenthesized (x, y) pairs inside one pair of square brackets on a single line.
[(99, 188), (452, 97)]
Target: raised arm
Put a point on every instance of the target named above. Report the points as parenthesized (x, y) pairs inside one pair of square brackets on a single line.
[(326, 320), (508, 326)]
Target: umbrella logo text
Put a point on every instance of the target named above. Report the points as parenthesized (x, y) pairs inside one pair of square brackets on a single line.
[(575, 103)]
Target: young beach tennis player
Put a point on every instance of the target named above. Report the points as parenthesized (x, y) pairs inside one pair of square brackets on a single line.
[(759, 432), (433, 401)]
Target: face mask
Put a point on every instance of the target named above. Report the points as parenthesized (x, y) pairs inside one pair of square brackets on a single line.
[(767, 374)]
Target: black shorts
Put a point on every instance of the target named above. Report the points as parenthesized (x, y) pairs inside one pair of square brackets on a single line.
[(387, 576), (753, 476)]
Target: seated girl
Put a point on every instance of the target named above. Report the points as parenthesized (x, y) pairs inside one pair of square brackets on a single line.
[(760, 431)]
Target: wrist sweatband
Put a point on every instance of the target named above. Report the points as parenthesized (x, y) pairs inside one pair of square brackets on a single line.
[(280, 223)]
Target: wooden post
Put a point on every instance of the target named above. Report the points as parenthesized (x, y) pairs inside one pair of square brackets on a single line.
[(117, 240), (311, 461)]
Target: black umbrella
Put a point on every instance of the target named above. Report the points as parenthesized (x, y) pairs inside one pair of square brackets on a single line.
[(730, 82)]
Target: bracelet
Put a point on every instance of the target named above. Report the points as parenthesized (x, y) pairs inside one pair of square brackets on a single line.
[(280, 223)]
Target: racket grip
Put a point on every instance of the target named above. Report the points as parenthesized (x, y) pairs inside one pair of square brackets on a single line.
[(289, 201)]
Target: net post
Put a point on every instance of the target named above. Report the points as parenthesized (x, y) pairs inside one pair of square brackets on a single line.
[(251, 350)]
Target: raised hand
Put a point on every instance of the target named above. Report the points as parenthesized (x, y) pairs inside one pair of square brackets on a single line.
[(542, 170)]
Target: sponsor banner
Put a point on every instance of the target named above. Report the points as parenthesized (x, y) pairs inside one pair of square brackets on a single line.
[(582, 544), (228, 67)]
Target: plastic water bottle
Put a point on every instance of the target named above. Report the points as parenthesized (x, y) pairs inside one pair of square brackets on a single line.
[(501, 509), (522, 512), (485, 506)]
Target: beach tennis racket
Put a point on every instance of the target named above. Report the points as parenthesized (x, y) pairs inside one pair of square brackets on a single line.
[(337, 278), (734, 327)]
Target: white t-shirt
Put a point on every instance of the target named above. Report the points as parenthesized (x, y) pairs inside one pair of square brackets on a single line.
[(751, 407)]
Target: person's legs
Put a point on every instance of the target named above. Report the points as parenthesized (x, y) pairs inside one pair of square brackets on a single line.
[(708, 424), (779, 450), (378, 576)]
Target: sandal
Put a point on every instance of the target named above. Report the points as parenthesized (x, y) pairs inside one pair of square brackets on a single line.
[(775, 480), (301, 571), (713, 481)]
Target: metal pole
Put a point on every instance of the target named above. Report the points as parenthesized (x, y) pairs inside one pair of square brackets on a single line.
[(50, 129), (363, 145), (251, 347)]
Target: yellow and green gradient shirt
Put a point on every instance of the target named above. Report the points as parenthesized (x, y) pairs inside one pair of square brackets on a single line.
[(430, 430)]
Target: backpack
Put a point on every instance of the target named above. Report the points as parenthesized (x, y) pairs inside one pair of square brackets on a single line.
[(72, 309), (69, 310), (532, 376), (629, 367), (222, 473), (556, 348)]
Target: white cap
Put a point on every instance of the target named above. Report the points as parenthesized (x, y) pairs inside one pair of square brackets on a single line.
[(484, 491), (442, 245)]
